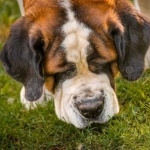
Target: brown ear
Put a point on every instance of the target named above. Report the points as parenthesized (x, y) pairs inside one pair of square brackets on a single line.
[(133, 43), (22, 58)]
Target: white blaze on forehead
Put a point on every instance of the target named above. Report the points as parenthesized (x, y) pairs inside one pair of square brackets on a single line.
[(76, 39)]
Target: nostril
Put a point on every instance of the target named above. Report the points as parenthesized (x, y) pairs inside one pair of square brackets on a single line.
[(102, 92), (74, 97)]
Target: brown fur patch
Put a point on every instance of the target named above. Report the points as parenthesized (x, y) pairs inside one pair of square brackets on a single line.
[(46, 16)]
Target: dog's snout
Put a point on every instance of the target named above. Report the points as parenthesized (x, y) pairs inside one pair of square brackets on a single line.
[(91, 107)]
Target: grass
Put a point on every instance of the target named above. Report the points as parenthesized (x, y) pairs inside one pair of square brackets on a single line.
[(9, 12), (40, 129)]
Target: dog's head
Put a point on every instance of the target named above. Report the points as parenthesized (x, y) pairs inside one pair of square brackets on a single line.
[(76, 48)]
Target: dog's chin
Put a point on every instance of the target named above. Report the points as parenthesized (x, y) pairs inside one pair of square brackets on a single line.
[(70, 114)]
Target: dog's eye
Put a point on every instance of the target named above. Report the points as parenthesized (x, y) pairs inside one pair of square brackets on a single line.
[(99, 65), (94, 66), (98, 60), (68, 74)]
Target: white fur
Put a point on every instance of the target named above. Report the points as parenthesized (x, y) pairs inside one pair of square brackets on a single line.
[(147, 59), (76, 35), (46, 96), (20, 3), (136, 4)]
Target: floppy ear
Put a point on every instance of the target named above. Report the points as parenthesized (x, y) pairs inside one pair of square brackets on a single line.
[(22, 58), (132, 43)]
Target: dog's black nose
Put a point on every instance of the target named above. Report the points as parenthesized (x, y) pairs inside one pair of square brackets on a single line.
[(91, 107)]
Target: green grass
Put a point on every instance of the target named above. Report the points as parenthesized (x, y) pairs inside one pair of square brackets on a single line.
[(40, 129), (9, 12)]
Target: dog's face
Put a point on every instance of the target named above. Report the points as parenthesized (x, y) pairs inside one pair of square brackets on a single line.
[(75, 49)]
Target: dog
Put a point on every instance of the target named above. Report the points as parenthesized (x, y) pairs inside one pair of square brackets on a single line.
[(73, 50)]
